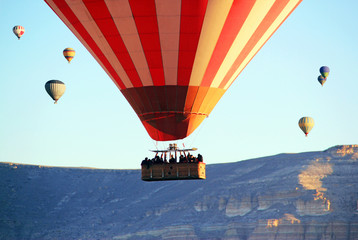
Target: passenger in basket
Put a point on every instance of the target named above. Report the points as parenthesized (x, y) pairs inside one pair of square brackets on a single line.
[(172, 159), (157, 159), (145, 161), (192, 159), (200, 158)]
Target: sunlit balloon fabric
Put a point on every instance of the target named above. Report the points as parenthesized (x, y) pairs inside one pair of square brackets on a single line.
[(18, 31), (173, 59), (306, 124), (55, 89), (69, 54), (324, 70)]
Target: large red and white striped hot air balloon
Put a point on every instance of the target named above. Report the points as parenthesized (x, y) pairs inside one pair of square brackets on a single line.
[(173, 59)]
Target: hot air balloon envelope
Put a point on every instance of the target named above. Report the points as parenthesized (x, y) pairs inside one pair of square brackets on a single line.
[(306, 124), (55, 89), (321, 79), (18, 31), (173, 60), (324, 71), (69, 54)]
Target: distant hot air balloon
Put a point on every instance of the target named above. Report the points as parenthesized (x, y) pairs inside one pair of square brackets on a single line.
[(55, 89), (69, 53), (173, 60), (324, 71), (306, 124), (18, 31), (321, 80)]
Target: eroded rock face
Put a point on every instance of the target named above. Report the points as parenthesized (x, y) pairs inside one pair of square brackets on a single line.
[(288, 196), (317, 207), (285, 198), (344, 151), (238, 207)]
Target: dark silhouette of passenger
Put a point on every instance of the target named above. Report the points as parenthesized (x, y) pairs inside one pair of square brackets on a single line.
[(147, 162), (144, 162), (191, 158), (200, 158), (172, 159), (157, 159)]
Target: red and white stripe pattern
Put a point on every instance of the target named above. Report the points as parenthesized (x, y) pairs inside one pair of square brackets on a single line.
[(173, 42), (173, 59)]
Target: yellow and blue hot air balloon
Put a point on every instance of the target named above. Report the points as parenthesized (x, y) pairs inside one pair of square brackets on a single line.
[(55, 89), (306, 124), (18, 31), (324, 70), (321, 80), (69, 54)]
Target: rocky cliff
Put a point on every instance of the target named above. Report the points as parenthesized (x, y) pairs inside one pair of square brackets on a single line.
[(303, 196)]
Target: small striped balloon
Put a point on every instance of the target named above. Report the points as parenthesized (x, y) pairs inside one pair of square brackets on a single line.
[(306, 124), (18, 31), (69, 54), (55, 89)]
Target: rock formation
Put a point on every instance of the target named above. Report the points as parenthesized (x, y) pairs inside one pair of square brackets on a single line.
[(304, 196)]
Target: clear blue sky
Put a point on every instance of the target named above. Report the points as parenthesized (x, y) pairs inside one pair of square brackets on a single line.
[(94, 126)]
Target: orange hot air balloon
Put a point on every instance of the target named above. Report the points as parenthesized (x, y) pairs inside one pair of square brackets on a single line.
[(69, 54), (173, 60)]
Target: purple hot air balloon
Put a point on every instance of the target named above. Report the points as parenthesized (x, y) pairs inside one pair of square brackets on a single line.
[(324, 70)]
